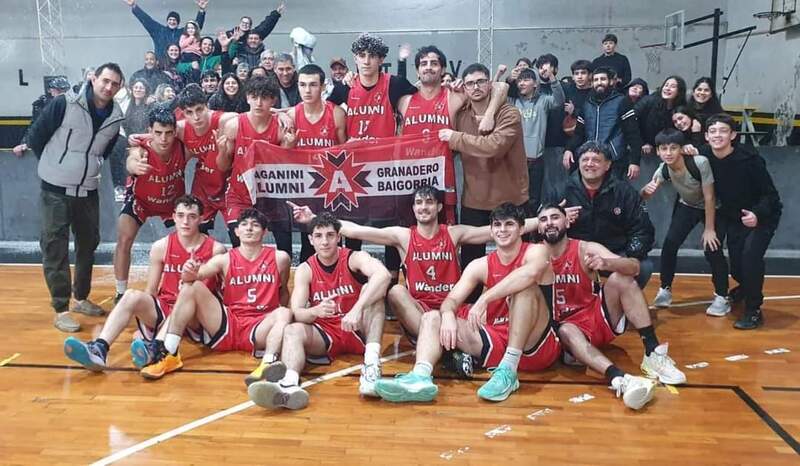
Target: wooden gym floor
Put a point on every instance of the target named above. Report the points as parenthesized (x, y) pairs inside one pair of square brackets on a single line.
[(731, 412)]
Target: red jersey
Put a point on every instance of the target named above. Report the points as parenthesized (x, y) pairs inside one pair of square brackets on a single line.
[(174, 258), (339, 285), (156, 191), (237, 197), (432, 268), (209, 181), (497, 310), (428, 117), (573, 289), (315, 135), (252, 288), (369, 112)]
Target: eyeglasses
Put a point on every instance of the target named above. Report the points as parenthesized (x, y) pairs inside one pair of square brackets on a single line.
[(476, 83)]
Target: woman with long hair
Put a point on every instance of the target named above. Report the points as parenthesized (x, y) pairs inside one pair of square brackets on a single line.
[(685, 121), (704, 100), (229, 96), (654, 111)]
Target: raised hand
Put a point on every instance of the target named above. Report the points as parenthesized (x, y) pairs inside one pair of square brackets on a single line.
[(301, 214), (202, 4), (651, 187), (405, 51), (130, 3), (281, 8), (140, 166)]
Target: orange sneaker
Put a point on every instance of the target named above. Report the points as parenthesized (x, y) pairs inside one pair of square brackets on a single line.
[(163, 365)]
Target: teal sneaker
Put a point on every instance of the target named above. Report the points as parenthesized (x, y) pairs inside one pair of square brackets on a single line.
[(407, 387), (143, 352), (502, 384)]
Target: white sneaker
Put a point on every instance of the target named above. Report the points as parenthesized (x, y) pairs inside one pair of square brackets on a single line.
[(720, 307), (273, 395), (370, 374), (663, 298), (636, 391), (660, 366)]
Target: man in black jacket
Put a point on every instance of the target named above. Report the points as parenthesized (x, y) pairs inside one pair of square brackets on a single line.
[(612, 213), (749, 213), (165, 35), (614, 60)]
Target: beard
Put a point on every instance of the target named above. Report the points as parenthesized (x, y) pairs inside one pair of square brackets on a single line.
[(601, 91), (554, 237)]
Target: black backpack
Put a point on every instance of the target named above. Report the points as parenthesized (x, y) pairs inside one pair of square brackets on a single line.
[(694, 171)]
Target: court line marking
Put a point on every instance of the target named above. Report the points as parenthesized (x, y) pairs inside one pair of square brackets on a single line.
[(768, 420), (227, 412), (697, 303)]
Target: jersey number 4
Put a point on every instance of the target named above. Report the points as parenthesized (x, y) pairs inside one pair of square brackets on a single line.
[(431, 272)]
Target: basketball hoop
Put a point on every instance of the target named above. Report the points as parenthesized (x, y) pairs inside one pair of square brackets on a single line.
[(770, 15)]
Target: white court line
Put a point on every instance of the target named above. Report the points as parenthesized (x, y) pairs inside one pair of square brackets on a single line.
[(697, 303), (217, 416)]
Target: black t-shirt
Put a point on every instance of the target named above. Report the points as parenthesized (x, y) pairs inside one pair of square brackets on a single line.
[(398, 87)]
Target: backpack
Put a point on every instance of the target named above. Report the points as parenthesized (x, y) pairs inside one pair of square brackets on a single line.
[(691, 166)]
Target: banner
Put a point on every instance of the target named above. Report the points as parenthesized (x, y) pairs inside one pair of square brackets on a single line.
[(369, 182)]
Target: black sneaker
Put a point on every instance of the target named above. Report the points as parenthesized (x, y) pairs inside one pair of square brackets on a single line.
[(750, 321), (736, 294), (117, 297), (460, 363)]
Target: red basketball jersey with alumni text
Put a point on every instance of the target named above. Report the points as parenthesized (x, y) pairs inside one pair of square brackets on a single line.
[(315, 135), (174, 258), (252, 288), (237, 197), (573, 290), (428, 117), (209, 181), (369, 112), (497, 310), (156, 191), (339, 285), (432, 268)]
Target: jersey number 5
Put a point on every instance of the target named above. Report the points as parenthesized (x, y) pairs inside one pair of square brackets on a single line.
[(251, 295)]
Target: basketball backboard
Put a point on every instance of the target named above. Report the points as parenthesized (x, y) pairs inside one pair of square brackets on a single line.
[(673, 30), (785, 15)]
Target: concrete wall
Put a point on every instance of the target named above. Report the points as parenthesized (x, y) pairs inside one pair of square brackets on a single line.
[(102, 30), (768, 72)]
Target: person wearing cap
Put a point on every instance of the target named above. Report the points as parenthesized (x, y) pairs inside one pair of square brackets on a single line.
[(338, 69), (614, 60), (165, 35), (55, 87), (72, 138)]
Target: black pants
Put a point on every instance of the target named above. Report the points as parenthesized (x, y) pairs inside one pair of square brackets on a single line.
[(60, 213), (746, 248), (535, 181), (684, 219)]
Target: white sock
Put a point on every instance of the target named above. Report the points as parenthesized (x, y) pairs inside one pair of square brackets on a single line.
[(372, 354), (171, 342), (511, 358), (122, 285), (423, 368), (269, 358), (291, 378)]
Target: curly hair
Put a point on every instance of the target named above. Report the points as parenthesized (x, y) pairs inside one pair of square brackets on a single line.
[(373, 45)]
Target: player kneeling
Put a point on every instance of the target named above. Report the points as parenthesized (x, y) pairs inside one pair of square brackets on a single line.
[(248, 317), (338, 305)]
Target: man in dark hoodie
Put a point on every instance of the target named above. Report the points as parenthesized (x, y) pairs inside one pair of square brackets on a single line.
[(614, 60), (607, 117), (749, 213), (163, 35), (636, 89), (251, 52), (151, 74)]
